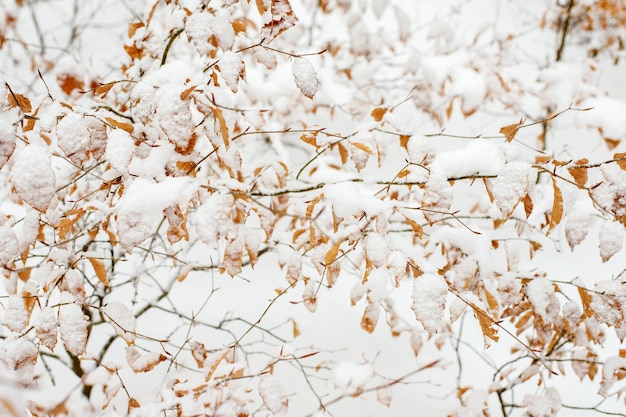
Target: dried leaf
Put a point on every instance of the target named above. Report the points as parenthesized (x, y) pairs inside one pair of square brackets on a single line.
[(363, 147), (187, 92), (217, 112), (509, 131), (378, 113), (343, 153), (586, 300), (311, 206), (282, 18), (487, 324), (104, 89), (620, 159), (370, 316), (121, 125), (331, 255), (142, 362), (579, 173), (100, 271), (557, 206), (528, 205)]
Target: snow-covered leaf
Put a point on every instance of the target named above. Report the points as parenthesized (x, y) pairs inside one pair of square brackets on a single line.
[(33, 177), (273, 394), (143, 362), (122, 319), (305, 76), (232, 68), (21, 356), (430, 292), (73, 327), (47, 328)]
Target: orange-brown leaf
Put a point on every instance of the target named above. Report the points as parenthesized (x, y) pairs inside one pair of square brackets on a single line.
[(487, 324), (363, 147), (557, 207), (404, 141), (332, 253), (124, 126), (18, 100), (187, 92), (343, 153), (310, 139), (579, 173), (528, 205), (217, 112), (509, 131), (311, 206), (585, 298), (620, 159), (378, 113), (103, 89), (100, 271)]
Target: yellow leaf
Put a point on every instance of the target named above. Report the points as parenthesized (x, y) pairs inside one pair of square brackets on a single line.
[(378, 113), (331, 255), (100, 270), (363, 147), (492, 302), (557, 207), (124, 126)]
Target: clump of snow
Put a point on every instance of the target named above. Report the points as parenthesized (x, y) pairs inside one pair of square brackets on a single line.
[(480, 156), (350, 376), (376, 249), (273, 393), (122, 319), (8, 244), (201, 27), (72, 325), (174, 116), (213, 218), (577, 223), (305, 76), (542, 296), (33, 177), (613, 367), (141, 207), (546, 405), (437, 198), (79, 135), (16, 316), (142, 362), (46, 328), (119, 150), (430, 292), (21, 356), (611, 239), (232, 68), (606, 114), (8, 118), (510, 186)]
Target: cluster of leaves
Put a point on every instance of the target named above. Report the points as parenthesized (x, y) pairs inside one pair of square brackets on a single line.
[(231, 140)]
